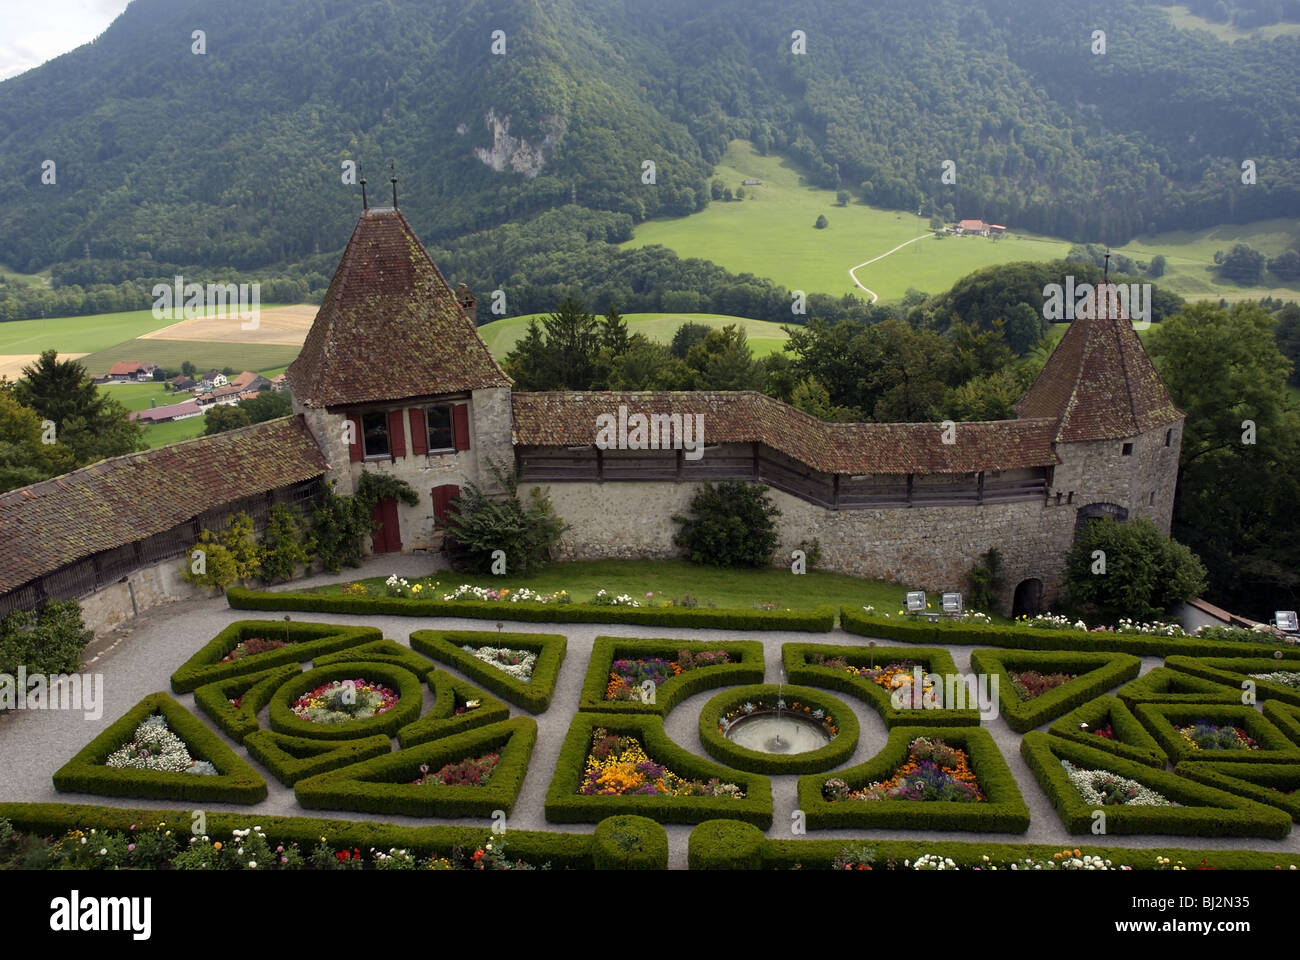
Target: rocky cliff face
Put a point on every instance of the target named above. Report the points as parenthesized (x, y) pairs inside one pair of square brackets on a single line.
[(517, 153)]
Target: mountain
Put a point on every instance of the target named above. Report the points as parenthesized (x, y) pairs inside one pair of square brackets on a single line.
[(231, 158)]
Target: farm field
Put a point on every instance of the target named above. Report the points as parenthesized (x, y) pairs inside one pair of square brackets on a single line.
[(161, 434), (764, 337), (770, 233)]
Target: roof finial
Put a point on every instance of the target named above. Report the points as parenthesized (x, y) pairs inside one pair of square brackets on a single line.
[(365, 204), (393, 180)]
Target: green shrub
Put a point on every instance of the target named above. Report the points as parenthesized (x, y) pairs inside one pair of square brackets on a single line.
[(480, 523), (746, 666), (732, 524), (291, 759), (284, 545), (379, 651), (800, 669), (1004, 811), (384, 784), (440, 721), (1285, 717), (564, 804), (407, 685), (1131, 740), (1162, 718), (305, 641), (725, 845), (721, 748), (49, 640), (1146, 573), (234, 782), (339, 526), (629, 843), (820, 620), (1202, 811), (986, 582), (534, 695), (1163, 685), (254, 692), (1097, 673), (1274, 784), (1234, 671)]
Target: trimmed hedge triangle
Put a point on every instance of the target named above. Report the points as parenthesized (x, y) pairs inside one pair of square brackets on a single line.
[(253, 691), (291, 759), (1095, 674), (1164, 719), (1276, 784), (1202, 810), (1233, 671), (1284, 716), (1163, 685), (381, 651), (305, 641), (384, 784), (1130, 741), (534, 694), (449, 694), (234, 782)]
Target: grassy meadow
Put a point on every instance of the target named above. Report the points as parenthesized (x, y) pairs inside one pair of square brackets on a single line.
[(764, 337)]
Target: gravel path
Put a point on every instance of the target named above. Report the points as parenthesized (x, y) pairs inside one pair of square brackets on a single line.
[(137, 660)]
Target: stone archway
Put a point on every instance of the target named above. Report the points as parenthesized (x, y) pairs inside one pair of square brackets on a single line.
[(1028, 599), (1095, 511)]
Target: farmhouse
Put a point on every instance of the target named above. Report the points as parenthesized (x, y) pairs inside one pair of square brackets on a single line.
[(173, 411), (393, 379), (131, 371)]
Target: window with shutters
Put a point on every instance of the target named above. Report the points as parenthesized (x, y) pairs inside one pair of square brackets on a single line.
[(442, 435), (374, 433)]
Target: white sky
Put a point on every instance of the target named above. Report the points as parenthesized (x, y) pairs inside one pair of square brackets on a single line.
[(33, 31)]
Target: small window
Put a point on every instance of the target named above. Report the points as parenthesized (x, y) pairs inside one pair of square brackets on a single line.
[(1169, 438), (1127, 450), (374, 428), (1152, 500), (442, 436), (1070, 498)]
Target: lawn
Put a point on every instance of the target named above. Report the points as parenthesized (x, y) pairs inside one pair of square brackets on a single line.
[(677, 579), (161, 434), (77, 334), (764, 337)]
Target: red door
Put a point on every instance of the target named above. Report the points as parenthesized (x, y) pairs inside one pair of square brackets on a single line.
[(388, 534), (441, 499)]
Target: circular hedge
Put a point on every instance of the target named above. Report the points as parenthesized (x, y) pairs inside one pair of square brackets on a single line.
[(725, 845), (629, 842), (837, 751), (410, 697)]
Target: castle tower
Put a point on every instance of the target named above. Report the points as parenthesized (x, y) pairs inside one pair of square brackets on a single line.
[(394, 379)]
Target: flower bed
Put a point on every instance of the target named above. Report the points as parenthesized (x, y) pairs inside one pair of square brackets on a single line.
[(873, 675), (302, 642), (396, 783), (947, 802), (730, 705), (513, 663), (1030, 684), (1212, 732), (162, 777), (1088, 675), (533, 694), (724, 664), (1201, 810), (251, 647), (385, 698), (603, 751), (1124, 734), (470, 772), (1105, 789), (233, 704), (457, 706), (1269, 675), (1203, 735)]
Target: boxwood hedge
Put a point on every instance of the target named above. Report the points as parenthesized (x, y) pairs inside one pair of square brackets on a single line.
[(1131, 741), (560, 850), (564, 804), (819, 620), (965, 633), (409, 690), (1285, 717), (384, 784), (1162, 718), (441, 720), (1203, 811), (534, 694), (381, 651), (235, 781), (1233, 671), (746, 666), (1004, 811), (254, 691), (629, 843), (306, 640), (1095, 674), (1276, 784), (727, 845), (1163, 685), (795, 657), (799, 701), (291, 759)]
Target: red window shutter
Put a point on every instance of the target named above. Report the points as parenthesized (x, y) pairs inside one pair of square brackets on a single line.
[(419, 433), (396, 433), (460, 422), (355, 448)]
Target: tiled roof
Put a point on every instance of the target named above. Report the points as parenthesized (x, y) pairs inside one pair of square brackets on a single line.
[(164, 413), (118, 501), (567, 418), (1099, 383), (389, 327), (125, 368)]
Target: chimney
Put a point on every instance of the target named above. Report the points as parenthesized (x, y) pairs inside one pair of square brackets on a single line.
[(466, 300)]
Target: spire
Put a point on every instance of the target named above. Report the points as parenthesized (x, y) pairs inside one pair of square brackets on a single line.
[(392, 168), (365, 205)]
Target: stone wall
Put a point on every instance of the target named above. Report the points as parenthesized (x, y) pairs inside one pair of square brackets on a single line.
[(142, 590)]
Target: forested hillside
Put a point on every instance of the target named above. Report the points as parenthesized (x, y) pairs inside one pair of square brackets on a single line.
[(231, 158)]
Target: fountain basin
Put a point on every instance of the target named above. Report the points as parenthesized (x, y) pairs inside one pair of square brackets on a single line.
[(778, 732), (770, 728)]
